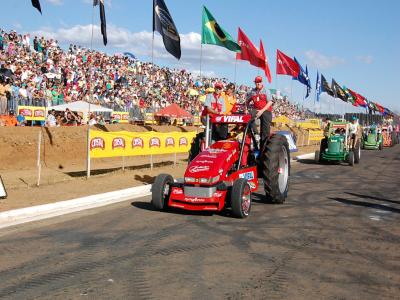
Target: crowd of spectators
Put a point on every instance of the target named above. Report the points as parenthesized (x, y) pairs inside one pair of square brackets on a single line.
[(38, 72)]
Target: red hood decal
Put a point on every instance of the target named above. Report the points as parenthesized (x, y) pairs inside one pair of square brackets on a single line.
[(214, 161)]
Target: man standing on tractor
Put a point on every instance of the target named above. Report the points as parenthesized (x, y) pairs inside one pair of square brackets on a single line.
[(230, 99), (215, 105), (353, 132), (262, 108)]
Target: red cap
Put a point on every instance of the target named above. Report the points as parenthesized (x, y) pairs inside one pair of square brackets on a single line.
[(218, 84), (258, 79)]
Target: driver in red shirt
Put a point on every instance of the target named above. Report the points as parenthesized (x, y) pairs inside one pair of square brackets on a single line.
[(262, 108)]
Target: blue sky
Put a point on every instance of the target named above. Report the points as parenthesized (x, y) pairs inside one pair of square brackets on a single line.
[(356, 42)]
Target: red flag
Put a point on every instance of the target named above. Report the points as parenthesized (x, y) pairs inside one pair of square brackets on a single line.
[(285, 65), (359, 100), (248, 51), (266, 65), (380, 107)]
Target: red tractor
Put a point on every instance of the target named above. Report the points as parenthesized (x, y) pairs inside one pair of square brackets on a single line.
[(225, 174)]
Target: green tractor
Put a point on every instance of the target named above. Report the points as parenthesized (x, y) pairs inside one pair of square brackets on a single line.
[(372, 138), (337, 146)]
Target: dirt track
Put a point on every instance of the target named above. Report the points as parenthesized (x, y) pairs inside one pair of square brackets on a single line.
[(63, 165), (336, 237)]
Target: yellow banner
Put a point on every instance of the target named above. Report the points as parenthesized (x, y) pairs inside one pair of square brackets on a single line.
[(120, 116), (32, 113), (315, 135), (125, 143), (281, 119)]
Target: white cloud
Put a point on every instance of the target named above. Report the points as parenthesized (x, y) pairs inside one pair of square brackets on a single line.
[(55, 2), (367, 59), (139, 43), (321, 61)]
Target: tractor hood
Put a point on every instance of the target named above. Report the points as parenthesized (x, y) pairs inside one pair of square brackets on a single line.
[(213, 163)]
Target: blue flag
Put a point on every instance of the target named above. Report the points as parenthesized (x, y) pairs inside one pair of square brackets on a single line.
[(303, 77), (318, 86)]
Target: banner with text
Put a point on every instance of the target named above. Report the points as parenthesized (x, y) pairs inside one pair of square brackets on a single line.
[(32, 113), (125, 143), (120, 116)]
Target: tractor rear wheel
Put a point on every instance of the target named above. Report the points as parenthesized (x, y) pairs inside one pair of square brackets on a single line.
[(275, 161), (357, 152), (324, 145), (160, 191), (196, 146), (350, 158), (241, 198), (394, 140)]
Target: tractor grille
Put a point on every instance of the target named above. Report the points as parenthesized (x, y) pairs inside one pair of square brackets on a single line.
[(201, 192)]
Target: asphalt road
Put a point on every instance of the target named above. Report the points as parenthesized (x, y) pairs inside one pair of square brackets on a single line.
[(336, 237)]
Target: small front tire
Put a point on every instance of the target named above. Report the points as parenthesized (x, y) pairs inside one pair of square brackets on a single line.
[(241, 198), (160, 191)]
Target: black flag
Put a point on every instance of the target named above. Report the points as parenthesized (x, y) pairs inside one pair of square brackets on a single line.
[(102, 19), (325, 86), (163, 23), (338, 91), (36, 4)]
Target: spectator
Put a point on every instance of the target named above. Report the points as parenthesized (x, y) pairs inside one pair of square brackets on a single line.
[(51, 120), (21, 120)]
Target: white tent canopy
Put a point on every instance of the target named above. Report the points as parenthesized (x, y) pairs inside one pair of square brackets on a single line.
[(80, 106)]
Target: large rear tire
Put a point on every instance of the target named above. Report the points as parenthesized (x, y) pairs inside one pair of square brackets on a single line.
[(195, 147), (393, 136), (241, 198), (357, 152), (160, 191), (317, 156), (350, 158), (324, 145), (275, 162)]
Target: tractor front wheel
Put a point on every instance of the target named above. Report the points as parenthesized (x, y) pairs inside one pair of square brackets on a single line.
[(160, 191), (317, 156), (241, 198), (276, 169)]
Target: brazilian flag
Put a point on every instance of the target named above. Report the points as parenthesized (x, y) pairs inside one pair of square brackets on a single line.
[(349, 96), (213, 34)]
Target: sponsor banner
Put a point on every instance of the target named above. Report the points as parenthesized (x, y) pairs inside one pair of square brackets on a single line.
[(281, 119), (315, 135), (120, 116), (290, 140), (32, 113), (125, 143)]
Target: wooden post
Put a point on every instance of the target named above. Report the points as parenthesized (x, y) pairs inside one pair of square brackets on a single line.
[(151, 162), (39, 165), (175, 159), (123, 163)]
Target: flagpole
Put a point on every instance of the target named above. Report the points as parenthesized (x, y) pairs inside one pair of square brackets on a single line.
[(291, 89), (234, 78), (91, 96), (201, 59), (152, 51)]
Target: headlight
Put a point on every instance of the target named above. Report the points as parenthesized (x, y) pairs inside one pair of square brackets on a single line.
[(190, 179), (204, 180), (211, 180)]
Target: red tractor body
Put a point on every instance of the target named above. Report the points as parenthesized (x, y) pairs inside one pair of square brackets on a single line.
[(226, 173)]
